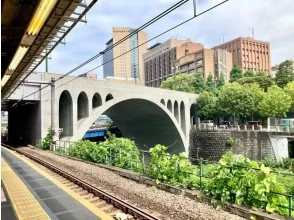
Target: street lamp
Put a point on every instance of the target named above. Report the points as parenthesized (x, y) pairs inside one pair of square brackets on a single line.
[(174, 73)]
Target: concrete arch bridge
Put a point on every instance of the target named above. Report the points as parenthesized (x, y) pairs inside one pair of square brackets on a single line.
[(147, 115)]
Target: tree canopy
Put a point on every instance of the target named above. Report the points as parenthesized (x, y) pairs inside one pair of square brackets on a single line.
[(260, 73), (182, 82), (221, 81), (236, 73), (199, 83), (210, 87), (249, 73), (276, 103), (257, 94), (289, 89), (263, 81), (236, 101), (285, 73), (205, 105)]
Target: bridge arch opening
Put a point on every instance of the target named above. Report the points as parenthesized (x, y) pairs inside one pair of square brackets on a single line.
[(176, 110), (145, 125), (96, 100), (162, 102), (291, 149), (169, 106), (193, 114), (83, 106), (183, 116), (108, 97), (66, 114)]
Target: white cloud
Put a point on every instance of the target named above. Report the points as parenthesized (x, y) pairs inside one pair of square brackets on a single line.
[(272, 21)]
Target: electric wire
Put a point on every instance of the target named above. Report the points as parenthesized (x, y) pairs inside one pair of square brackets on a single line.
[(176, 26), (153, 20), (138, 45)]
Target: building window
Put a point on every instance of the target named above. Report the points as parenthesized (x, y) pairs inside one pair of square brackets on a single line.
[(199, 70), (198, 62)]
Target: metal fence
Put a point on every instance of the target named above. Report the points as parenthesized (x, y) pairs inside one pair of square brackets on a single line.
[(115, 157), (281, 124), (272, 124)]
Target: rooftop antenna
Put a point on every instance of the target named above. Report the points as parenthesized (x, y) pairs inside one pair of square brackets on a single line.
[(253, 33), (219, 42), (223, 39)]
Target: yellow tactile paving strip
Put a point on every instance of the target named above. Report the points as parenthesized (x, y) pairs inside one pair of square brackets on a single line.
[(98, 212), (24, 203)]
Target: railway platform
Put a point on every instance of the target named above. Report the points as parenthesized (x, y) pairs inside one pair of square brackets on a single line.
[(30, 193)]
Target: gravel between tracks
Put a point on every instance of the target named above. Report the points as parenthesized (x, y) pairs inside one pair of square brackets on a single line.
[(171, 206)]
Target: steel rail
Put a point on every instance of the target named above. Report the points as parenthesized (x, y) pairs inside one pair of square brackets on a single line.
[(122, 205)]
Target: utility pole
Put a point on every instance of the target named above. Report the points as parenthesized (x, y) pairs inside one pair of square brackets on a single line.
[(46, 62), (52, 146)]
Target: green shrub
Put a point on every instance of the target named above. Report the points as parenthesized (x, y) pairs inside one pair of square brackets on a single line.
[(46, 142), (237, 179), (230, 142), (120, 152), (82, 149), (175, 169)]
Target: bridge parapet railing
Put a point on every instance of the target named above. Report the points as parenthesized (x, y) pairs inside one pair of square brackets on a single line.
[(281, 124)]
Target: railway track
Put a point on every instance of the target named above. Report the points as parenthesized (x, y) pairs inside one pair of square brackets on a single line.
[(101, 199)]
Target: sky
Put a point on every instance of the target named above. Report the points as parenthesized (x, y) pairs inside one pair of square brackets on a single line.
[(271, 20)]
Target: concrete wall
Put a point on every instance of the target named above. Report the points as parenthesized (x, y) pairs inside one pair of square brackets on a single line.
[(254, 144), (24, 123)]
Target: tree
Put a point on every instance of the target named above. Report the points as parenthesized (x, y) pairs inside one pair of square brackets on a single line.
[(249, 73), (205, 105), (285, 73), (263, 81), (199, 83), (210, 84), (276, 103), (235, 74), (260, 73), (289, 89), (257, 94), (221, 81), (234, 100), (182, 82)]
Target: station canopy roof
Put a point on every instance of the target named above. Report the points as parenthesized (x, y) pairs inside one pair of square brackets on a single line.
[(31, 29)]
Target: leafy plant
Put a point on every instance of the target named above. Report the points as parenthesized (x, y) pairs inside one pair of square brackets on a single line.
[(120, 152), (246, 182), (175, 169), (230, 142), (234, 179), (82, 149), (46, 142)]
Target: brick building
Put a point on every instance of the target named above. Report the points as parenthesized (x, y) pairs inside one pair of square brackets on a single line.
[(249, 53), (159, 59), (206, 61)]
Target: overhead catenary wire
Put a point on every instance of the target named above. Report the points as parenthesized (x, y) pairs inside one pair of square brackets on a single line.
[(139, 45), (176, 26), (153, 20)]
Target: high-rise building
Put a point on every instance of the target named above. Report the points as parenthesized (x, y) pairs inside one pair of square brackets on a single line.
[(89, 75), (249, 53), (159, 60), (125, 63), (206, 61)]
